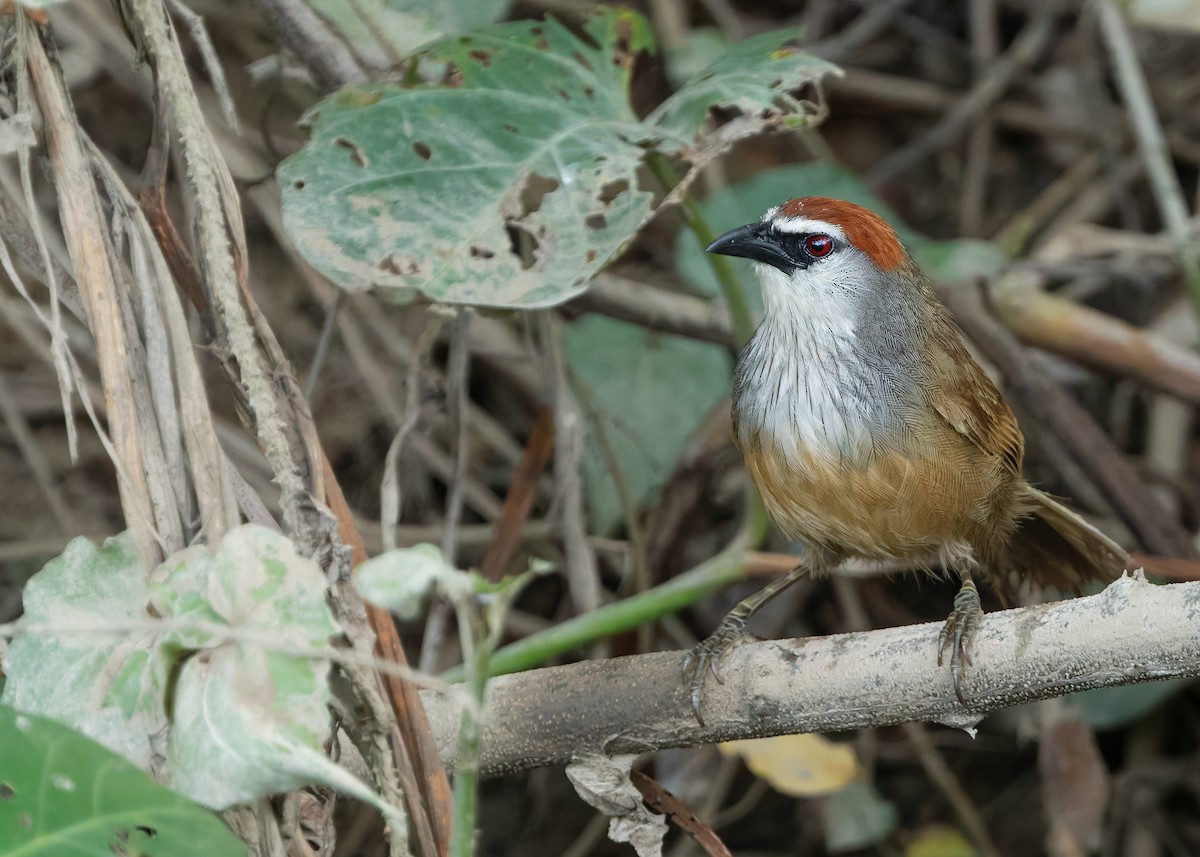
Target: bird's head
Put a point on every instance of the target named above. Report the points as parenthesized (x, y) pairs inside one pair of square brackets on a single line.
[(819, 249)]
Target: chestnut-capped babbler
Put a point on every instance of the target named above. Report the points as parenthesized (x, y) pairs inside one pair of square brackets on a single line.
[(870, 431)]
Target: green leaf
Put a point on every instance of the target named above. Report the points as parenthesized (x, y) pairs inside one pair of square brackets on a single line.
[(857, 817), (63, 795), (517, 179), (649, 391), (697, 48), (1114, 707), (745, 202), (111, 688)]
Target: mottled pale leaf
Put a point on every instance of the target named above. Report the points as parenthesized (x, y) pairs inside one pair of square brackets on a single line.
[(805, 765), (247, 722), (400, 579), (63, 795), (648, 391), (233, 648), (110, 687), (519, 177)]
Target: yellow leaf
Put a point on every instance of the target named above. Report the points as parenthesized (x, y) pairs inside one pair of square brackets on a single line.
[(798, 765), (938, 840)]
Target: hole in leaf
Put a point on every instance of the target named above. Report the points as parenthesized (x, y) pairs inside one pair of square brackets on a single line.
[(562, 93), (589, 91), (595, 221), (356, 153), (423, 151), (148, 832), (582, 60), (508, 126), (478, 252), (7, 792), (452, 77), (524, 245), (612, 190), (483, 57), (535, 190), (298, 184), (590, 256), (541, 44)]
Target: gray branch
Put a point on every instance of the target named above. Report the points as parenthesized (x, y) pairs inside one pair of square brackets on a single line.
[(1131, 632)]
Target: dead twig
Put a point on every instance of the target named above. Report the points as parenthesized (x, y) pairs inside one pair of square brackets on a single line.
[(520, 498), (664, 803), (1026, 48), (1151, 143), (1094, 338)]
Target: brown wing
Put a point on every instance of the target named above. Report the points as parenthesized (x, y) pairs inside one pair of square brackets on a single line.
[(965, 397)]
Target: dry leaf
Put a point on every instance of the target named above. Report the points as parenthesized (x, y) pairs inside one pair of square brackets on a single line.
[(799, 765)]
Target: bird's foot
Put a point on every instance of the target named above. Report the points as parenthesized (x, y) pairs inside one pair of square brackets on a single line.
[(706, 657), (958, 632)]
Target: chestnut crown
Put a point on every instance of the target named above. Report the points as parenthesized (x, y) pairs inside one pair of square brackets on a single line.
[(802, 231)]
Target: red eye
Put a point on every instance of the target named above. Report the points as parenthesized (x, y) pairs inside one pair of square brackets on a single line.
[(818, 245)]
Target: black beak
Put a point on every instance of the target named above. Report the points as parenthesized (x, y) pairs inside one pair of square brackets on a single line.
[(755, 241)]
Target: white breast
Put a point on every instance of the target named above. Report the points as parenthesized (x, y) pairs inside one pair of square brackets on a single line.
[(800, 382)]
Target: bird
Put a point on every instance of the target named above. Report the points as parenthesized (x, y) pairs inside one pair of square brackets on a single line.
[(870, 431)]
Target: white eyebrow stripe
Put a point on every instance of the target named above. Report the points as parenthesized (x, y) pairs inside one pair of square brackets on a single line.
[(800, 225)]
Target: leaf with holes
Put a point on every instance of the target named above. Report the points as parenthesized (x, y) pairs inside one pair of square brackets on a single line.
[(754, 77), (63, 795), (516, 179)]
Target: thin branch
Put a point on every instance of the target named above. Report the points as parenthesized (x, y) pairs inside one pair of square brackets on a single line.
[(1131, 632), (657, 309), (1151, 142), (1095, 338), (331, 62), (993, 83), (582, 578)]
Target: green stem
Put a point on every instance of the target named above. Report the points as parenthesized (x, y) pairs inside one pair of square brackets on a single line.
[(710, 576), (731, 287), (478, 652)]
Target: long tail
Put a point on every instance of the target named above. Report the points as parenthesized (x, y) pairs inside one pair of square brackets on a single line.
[(1056, 547)]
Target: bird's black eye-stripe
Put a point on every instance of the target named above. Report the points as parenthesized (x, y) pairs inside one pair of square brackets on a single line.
[(807, 247)]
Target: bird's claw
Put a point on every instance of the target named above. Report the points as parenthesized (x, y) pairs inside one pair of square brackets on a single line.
[(958, 632), (705, 658)]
